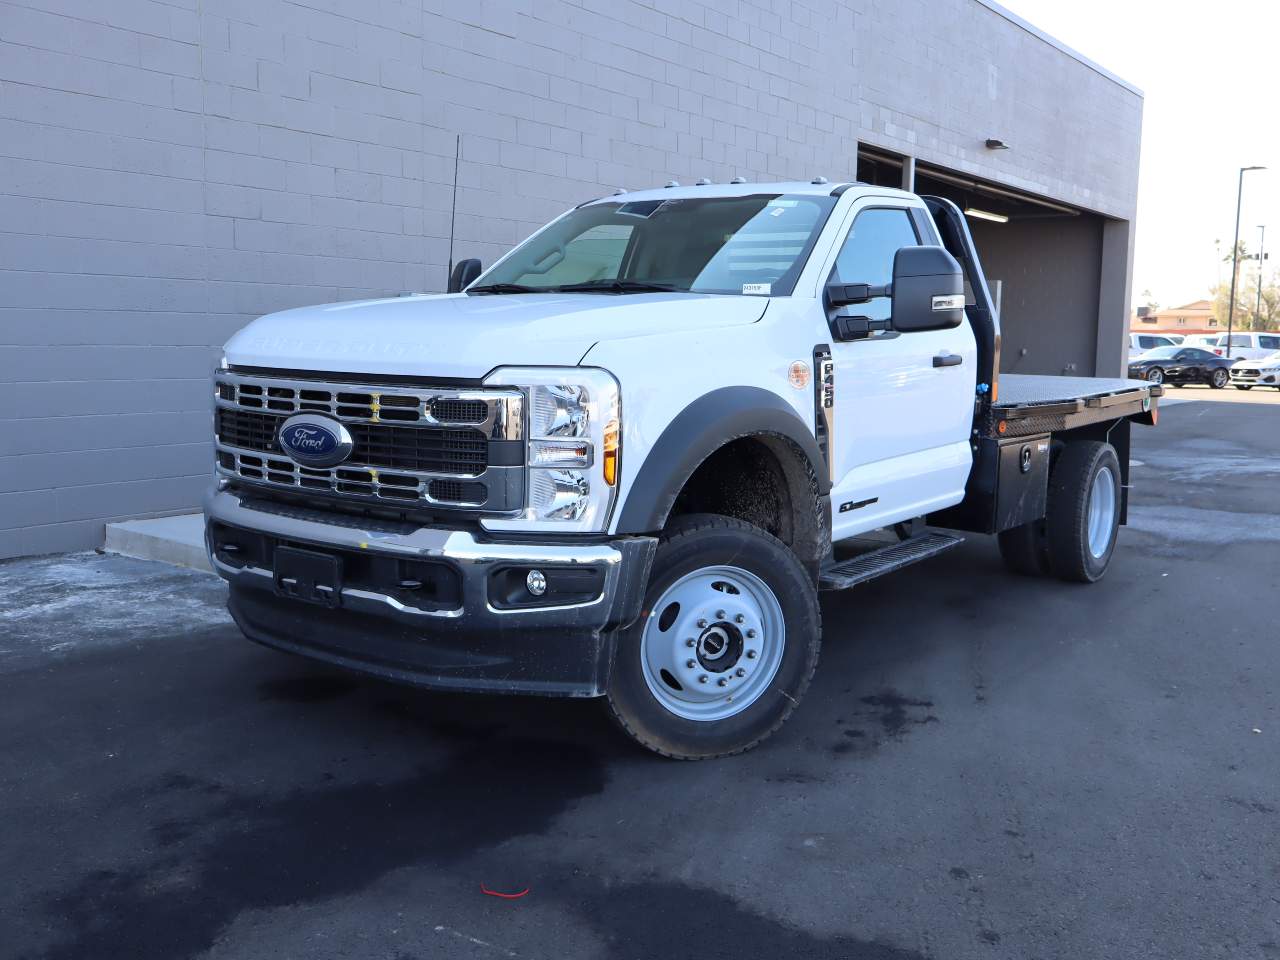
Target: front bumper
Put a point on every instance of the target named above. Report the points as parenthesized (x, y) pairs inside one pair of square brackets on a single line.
[(471, 633), (1256, 378)]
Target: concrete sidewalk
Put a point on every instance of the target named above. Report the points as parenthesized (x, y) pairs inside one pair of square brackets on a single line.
[(177, 540)]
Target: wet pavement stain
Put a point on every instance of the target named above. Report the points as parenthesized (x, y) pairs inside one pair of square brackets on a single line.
[(890, 711), (895, 712), (254, 852)]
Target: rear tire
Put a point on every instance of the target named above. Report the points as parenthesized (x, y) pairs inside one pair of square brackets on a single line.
[(1083, 516), (1219, 378), (711, 570)]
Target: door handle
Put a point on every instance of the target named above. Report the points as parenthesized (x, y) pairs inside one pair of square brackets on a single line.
[(948, 360)]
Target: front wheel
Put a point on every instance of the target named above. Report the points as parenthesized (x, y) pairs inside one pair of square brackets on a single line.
[(726, 644), (1219, 379), (1155, 375)]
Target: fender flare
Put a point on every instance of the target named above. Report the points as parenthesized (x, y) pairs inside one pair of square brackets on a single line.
[(699, 430)]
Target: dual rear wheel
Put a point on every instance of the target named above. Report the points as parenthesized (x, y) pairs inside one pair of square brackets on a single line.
[(1077, 536)]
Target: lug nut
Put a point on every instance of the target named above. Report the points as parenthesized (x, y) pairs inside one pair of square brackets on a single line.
[(739, 619), (703, 678), (691, 642), (691, 663), (751, 634), (740, 672), (701, 624), (719, 614), (751, 654), (722, 682)]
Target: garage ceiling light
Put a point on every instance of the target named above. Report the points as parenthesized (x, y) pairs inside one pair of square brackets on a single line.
[(985, 215)]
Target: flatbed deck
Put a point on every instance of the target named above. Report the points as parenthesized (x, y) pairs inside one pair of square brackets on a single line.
[(1028, 403)]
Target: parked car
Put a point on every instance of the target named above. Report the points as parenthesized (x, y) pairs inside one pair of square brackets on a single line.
[(1140, 343), (1180, 365), (1247, 346), (1206, 341), (1247, 374)]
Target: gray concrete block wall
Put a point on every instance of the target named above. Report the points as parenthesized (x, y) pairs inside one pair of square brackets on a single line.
[(170, 169)]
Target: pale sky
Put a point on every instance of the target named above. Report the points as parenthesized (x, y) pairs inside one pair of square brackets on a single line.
[(1209, 73)]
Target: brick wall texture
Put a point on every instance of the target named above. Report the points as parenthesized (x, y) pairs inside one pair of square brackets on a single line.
[(171, 169)]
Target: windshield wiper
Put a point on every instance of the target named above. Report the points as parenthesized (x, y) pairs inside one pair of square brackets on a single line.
[(617, 286), (509, 288)]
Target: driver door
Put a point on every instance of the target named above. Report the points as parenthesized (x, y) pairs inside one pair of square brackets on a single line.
[(903, 402)]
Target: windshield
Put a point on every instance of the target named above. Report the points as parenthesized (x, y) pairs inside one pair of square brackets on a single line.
[(1160, 353), (740, 245)]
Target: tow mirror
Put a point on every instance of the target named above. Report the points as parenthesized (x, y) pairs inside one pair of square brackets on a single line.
[(928, 290), (464, 274)]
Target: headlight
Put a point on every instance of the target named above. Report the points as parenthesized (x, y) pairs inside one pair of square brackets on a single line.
[(574, 440)]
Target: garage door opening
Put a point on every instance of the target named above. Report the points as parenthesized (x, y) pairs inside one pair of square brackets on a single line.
[(1042, 258)]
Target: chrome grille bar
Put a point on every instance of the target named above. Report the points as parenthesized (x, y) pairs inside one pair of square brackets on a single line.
[(497, 412)]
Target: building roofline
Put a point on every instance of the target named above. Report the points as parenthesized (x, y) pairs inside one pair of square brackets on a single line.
[(1058, 44)]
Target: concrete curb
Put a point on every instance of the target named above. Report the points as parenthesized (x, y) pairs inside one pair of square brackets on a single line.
[(177, 540)]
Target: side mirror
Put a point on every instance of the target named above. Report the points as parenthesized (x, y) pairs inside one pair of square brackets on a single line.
[(928, 290), (464, 273)]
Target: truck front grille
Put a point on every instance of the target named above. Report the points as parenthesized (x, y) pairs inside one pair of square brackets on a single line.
[(424, 449), (455, 448)]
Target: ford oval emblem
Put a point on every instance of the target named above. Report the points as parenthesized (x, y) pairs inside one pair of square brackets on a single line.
[(315, 441)]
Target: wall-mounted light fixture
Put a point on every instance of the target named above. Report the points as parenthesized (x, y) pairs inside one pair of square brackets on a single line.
[(994, 144), (985, 215)]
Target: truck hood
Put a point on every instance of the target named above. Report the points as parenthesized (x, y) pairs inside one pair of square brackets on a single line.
[(464, 337)]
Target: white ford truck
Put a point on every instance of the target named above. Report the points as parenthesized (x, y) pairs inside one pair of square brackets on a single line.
[(623, 461)]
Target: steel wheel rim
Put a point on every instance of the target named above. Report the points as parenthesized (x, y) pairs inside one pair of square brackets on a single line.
[(1155, 375), (738, 636), (1102, 510), (1220, 377)]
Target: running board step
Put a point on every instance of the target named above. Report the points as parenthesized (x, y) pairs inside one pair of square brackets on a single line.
[(868, 566)]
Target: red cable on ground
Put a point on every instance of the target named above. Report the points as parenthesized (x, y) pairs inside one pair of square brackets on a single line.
[(505, 896)]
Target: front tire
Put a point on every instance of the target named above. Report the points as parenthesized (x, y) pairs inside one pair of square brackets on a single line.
[(725, 646), (1155, 375), (1219, 378)]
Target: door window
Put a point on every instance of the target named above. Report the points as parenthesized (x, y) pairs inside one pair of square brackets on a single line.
[(1269, 343), (868, 251)]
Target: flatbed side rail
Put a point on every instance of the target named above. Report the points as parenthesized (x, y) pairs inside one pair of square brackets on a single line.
[(1020, 420)]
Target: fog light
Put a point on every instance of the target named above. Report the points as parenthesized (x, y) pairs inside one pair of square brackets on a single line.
[(536, 582)]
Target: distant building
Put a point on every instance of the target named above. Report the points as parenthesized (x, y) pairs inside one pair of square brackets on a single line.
[(1194, 317)]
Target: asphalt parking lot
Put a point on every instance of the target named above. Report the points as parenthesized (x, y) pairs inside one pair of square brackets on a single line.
[(984, 767)]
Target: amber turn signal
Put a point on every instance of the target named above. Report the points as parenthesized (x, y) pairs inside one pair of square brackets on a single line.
[(610, 459)]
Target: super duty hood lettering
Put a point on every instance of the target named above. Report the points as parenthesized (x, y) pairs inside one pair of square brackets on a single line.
[(466, 337)]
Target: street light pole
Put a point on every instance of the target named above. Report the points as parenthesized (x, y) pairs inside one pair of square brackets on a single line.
[(1262, 256), (1235, 258)]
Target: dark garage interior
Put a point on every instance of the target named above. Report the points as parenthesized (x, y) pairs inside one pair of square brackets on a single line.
[(1042, 258)]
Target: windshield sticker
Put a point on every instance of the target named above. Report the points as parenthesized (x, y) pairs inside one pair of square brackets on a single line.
[(759, 289), (777, 212)]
